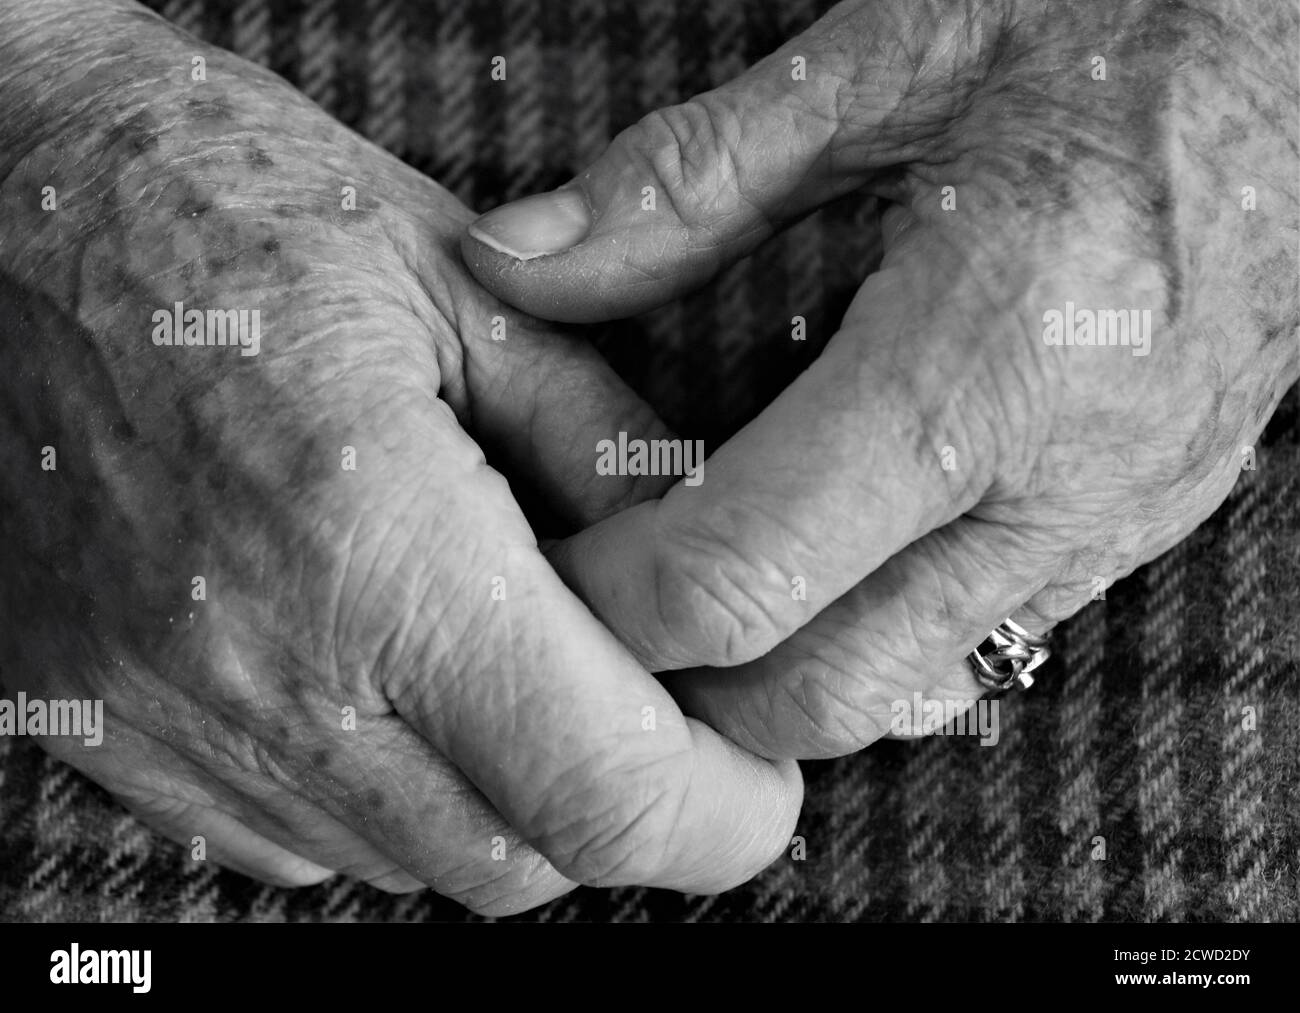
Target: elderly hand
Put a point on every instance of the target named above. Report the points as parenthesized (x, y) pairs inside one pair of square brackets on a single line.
[(321, 627), (980, 439)]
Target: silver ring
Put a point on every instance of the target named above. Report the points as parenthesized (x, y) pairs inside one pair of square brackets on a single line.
[(1007, 657)]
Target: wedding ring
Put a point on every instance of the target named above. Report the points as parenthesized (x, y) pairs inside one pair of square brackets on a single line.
[(1007, 657)]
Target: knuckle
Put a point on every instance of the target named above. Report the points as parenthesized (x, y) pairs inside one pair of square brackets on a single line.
[(692, 149), (614, 829), (824, 712), (371, 620), (401, 614), (711, 605)]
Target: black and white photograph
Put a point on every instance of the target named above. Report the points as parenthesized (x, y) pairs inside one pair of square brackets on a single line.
[(624, 462)]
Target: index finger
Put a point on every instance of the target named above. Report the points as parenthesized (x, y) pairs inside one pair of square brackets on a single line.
[(875, 445), (577, 746)]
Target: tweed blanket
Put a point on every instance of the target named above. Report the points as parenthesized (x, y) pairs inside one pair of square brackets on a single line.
[(1125, 786)]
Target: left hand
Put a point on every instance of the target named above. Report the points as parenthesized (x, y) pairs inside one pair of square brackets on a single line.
[(282, 576), (942, 466)]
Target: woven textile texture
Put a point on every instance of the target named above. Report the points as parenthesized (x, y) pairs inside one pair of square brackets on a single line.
[(1134, 732)]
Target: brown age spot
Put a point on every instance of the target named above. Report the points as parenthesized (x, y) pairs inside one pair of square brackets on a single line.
[(259, 159), (208, 108), (1233, 130), (138, 133)]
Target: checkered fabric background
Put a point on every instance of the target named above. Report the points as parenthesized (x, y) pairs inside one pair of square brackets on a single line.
[(1134, 731)]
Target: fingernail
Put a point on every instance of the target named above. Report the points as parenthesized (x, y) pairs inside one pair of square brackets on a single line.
[(535, 226)]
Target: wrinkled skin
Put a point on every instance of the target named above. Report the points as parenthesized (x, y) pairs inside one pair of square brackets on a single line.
[(941, 466), (496, 749)]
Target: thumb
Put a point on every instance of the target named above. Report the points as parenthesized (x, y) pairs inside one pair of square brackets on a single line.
[(694, 187)]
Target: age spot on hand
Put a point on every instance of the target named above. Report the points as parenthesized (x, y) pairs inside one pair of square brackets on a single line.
[(259, 159)]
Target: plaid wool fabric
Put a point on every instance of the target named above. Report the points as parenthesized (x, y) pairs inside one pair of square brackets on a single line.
[(1133, 738)]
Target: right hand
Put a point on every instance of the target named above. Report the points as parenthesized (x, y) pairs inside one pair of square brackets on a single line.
[(943, 464), (503, 749)]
